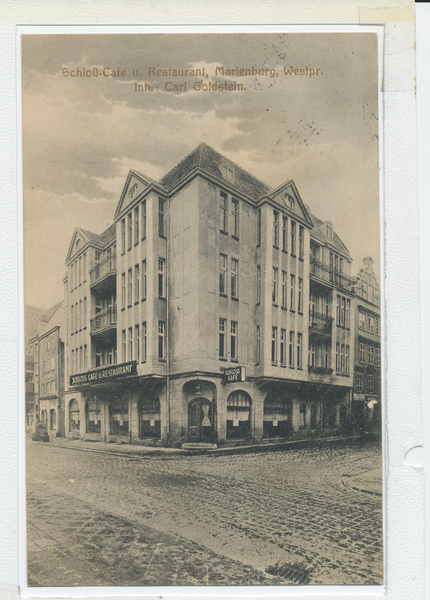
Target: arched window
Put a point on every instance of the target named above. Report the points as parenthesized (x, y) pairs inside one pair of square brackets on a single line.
[(238, 415), (302, 418), (74, 415), (44, 416), (314, 416), (119, 419), (94, 424), (149, 417), (277, 416)]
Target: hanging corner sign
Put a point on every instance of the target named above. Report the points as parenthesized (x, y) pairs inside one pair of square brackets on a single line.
[(234, 374)]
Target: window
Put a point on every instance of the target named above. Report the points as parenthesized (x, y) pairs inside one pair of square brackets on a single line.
[(130, 343), (362, 352), (292, 292), (130, 230), (284, 233), (258, 284), (99, 254), (144, 219), (259, 227), (222, 274), (348, 313), (136, 283), (284, 289), (222, 331), (302, 420), (291, 350), (274, 285), (71, 277), (346, 360), (85, 313), (301, 242), (378, 357), (311, 355), (223, 213), (342, 358), (361, 320), (228, 172), (123, 290), (81, 358), (378, 326), (80, 314), (370, 383), (136, 225), (85, 357), (124, 347), (338, 310), (337, 358), (84, 274), (72, 319), (233, 340), (235, 217), (299, 350), (370, 324), (258, 347), (293, 238), (130, 287), (275, 228), (143, 279), (161, 340), (371, 351), (342, 312), (300, 296), (359, 381), (80, 270), (234, 278), (161, 278), (161, 218), (274, 345), (283, 347), (144, 341)]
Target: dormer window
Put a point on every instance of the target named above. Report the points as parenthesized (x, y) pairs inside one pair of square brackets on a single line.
[(329, 232), (227, 172)]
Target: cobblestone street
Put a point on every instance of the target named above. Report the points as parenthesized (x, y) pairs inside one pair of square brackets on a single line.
[(275, 518)]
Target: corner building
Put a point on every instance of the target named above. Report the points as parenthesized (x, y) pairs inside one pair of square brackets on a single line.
[(214, 310)]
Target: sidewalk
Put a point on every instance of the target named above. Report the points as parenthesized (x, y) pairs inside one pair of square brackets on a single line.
[(369, 482), (147, 452)]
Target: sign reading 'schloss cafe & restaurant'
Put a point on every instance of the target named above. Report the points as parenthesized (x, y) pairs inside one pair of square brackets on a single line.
[(234, 374), (110, 373)]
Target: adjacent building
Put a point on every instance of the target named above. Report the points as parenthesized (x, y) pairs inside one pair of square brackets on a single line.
[(214, 309)]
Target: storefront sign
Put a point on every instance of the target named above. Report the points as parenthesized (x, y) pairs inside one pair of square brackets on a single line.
[(234, 374), (358, 396), (110, 373)]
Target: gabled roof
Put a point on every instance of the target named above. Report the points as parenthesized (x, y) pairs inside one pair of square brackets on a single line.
[(31, 315), (135, 185), (317, 233), (299, 209), (100, 240), (210, 161), (47, 316)]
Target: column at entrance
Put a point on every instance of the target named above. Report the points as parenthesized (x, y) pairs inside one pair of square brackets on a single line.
[(134, 418), (105, 420)]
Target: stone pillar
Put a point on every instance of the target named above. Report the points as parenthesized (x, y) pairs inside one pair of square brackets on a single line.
[(134, 417), (221, 405), (295, 415), (82, 416), (104, 413)]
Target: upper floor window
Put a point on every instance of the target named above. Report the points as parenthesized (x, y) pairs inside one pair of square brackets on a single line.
[(275, 228), (362, 352), (378, 357), (301, 242), (136, 224), (144, 219), (284, 233), (300, 296), (370, 383), (161, 340), (292, 292), (258, 346), (136, 283), (235, 217), (258, 284), (361, 320), (370, 324), (222, 349), (161, 218), (299, 350), (233, 340), (359, 381), (99, 254), (228, 172), (284, 289), (274, 345), (161, 278), (291, 350), (234, 278), (123, 290), (143, 279), (130, 287), (283, 347), (275, 285), (378, 326), (223, 212), (259, 227), (293, 238), (222, 274), (130, 230)]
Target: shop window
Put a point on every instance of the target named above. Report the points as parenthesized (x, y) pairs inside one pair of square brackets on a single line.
[(74, 415), (238, 415), (119, 419), (149, 417), (276, 417), (94, 424)]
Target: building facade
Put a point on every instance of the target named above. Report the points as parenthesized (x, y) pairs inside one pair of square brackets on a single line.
[(367, 365), (215, 310)]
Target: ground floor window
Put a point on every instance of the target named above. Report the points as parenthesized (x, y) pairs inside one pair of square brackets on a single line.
[(44, 416), (94, 424), (52, 418), (74, 416), (238, 415), (119, 419), (149, 417), (276, 417), (302, 416)]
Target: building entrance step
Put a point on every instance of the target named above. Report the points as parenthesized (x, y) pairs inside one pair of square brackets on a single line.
[(198, 446)]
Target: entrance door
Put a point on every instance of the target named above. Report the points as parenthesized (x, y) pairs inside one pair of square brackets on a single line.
[(200, 421)]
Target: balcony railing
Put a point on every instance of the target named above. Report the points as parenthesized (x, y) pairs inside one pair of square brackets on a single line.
[(320, 322), (330, 275), (103, 268), (103, 320)]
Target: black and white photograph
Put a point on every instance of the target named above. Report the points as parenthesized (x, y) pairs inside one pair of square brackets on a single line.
[(203, 319)]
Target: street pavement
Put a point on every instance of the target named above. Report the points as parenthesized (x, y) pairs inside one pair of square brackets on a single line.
[(309, 516)]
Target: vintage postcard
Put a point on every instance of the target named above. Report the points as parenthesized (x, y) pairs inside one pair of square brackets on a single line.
[(204, 399)]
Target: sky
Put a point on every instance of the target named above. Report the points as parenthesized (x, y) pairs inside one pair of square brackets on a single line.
[(82, 135)]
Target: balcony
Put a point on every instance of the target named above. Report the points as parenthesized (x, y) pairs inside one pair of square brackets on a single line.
[(328, 275), (320, 324), (103, 275), (104, 322)]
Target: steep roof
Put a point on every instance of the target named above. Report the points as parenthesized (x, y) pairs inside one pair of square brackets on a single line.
[(47, 316), (31, 315), (207, 159), (317, 233), (101, 239)]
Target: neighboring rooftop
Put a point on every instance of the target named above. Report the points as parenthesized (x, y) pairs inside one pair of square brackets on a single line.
[(317, 233), (101, 239)]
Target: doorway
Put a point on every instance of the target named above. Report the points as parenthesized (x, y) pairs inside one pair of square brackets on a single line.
[(200, 421)]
